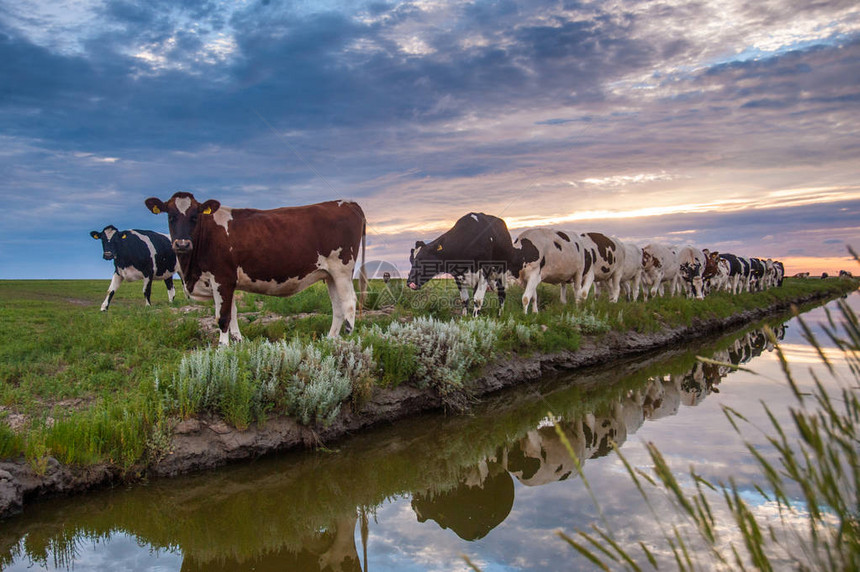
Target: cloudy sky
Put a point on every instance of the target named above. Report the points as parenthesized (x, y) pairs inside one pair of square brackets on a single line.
[(730, 125)]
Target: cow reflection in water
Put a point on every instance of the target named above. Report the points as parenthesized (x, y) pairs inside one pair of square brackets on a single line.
[(330, 550), (485, 496), (475, 506)]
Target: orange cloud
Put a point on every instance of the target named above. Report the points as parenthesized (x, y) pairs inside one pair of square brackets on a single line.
[(816, 265)]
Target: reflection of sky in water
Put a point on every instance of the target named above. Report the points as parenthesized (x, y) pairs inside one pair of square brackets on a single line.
[(526, 539)]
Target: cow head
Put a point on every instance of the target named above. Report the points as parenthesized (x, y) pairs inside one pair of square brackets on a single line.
[(427, 261), (692, 274), (183, 214), (110, 238)]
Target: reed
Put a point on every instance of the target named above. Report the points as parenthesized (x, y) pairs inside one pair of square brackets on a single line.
[(815, 482)]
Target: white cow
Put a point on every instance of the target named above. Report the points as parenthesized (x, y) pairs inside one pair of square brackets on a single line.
[(632, 270), (562, 259)]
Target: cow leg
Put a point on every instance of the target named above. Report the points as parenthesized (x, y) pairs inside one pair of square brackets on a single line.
[(562, 293), (114, 286), (576, 283), (530, 292), (147, 289), (500, 290), (171, 291), (348, 300), (223, 297), (587, 280), (464, 293), (480, 291), (235, 334), (615, 286), (337, 315), (635, 287)]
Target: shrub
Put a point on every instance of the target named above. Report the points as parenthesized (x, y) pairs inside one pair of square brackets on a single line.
[(244, 382), (444, 352)]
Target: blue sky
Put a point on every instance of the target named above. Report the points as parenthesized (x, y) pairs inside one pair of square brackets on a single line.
[(728, 125)]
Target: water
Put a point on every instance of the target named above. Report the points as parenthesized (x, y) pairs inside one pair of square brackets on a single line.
[(417, 495)]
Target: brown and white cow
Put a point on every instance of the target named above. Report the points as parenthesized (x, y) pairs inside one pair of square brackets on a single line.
[(562, 259), (278, 252), (691, 262), (661, 266)]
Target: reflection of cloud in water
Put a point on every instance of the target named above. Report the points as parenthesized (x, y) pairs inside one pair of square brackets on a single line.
[(797, 354)]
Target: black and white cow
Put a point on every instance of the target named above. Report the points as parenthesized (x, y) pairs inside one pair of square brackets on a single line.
[(757, 275), (137, 255), (739, 272), (780, 272), (477, 251), (607, 254), (562, 259)]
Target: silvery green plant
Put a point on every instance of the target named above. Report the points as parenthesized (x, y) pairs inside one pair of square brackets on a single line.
[(243, 382), (446, 351), (587, 322)]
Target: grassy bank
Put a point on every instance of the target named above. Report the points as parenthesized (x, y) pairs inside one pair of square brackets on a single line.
[(88, 387)]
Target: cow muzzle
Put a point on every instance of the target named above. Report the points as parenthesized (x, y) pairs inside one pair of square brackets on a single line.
[(107, 255), (181, 246), (413, 286)]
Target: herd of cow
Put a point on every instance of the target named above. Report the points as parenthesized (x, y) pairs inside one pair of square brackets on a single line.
[(217, 250)]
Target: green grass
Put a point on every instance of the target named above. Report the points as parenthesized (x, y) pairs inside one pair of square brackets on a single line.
[(85, 380)]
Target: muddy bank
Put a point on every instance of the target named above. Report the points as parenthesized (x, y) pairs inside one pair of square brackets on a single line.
[(206, 442)]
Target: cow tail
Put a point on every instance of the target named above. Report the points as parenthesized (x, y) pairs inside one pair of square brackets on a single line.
[(362, 274)]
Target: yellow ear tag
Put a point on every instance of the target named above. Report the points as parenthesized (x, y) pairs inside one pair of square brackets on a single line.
[(123, 236), (156, 210), (207, 211), (438, 248)]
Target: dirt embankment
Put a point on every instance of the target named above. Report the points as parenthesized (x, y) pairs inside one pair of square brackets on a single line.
[(206, 443)]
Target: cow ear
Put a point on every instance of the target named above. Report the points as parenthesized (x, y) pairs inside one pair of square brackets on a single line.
[(419, 244), (155, 205), (95, 234), (209, 206)]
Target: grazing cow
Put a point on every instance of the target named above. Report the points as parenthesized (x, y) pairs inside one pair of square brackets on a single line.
[(845, 274), (278, 252), (137, 255), (802, 275), (691, 263), (607, 263), (562, 259), (661, 266), (476, 251), (633, 270)]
